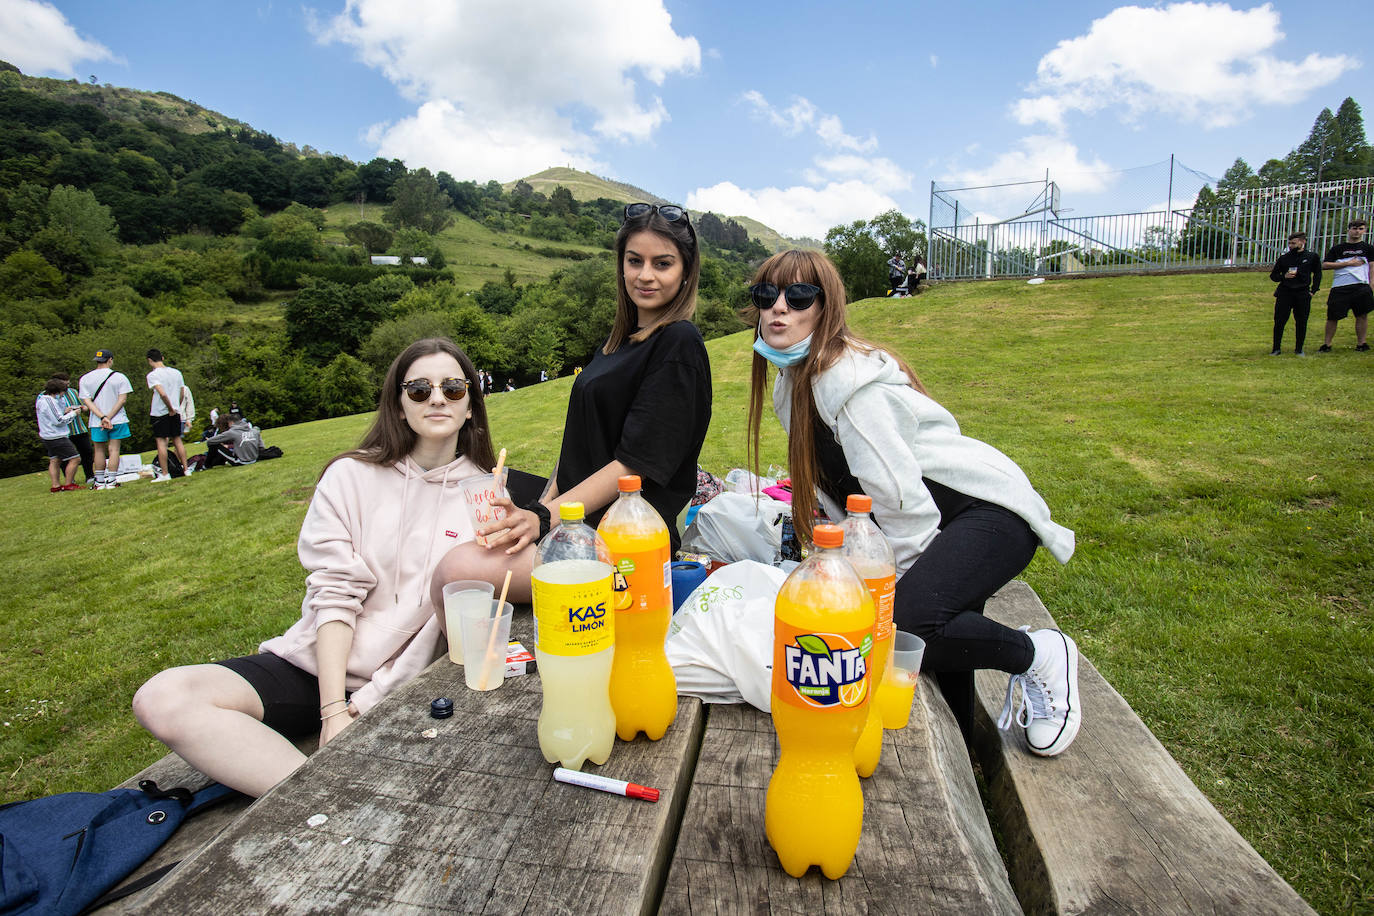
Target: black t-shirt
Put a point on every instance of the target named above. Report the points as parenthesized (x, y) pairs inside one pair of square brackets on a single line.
[(647, 405), (1344, 251)]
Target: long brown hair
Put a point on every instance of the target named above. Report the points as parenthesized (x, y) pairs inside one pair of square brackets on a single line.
[(683, 306), (391, 439), (829, 341)]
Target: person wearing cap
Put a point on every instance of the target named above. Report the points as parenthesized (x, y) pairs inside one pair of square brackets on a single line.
[(104, 391), (166, 384)]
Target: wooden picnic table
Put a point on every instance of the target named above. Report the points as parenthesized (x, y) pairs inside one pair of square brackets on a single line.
[(386, 820)]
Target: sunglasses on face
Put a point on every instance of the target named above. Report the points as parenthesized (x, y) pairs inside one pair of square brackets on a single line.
[(799, 296), (669, 212), (419, 390)]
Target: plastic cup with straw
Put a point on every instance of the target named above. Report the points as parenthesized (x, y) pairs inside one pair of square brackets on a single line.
[(491, 641)]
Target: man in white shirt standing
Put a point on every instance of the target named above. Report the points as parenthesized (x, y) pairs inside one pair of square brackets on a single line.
[(166, 384), (104, 391)]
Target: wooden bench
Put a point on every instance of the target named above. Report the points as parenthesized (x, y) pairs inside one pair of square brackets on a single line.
[(1112, 825)]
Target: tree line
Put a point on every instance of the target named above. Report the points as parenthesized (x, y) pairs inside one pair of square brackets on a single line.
[(128, 234)]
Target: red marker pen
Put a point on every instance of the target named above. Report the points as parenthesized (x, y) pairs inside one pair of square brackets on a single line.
[(605, 784)]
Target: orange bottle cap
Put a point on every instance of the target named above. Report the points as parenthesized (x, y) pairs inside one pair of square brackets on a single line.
[(858, 502), (629, 483), (828, 535)]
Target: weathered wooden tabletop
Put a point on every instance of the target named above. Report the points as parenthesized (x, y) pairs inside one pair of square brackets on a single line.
[(470, 820), (385, 820)]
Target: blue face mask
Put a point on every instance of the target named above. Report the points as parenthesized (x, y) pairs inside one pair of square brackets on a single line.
[(788, 356)]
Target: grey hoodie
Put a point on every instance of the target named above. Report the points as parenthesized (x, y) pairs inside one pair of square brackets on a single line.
[(892, 436)]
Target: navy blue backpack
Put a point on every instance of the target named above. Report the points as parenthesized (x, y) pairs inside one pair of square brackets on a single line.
[(61, 853)]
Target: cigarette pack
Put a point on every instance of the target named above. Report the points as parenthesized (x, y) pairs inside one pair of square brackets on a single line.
[(517, 658)]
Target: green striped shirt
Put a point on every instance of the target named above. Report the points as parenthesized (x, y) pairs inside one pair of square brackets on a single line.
[(77, 424)]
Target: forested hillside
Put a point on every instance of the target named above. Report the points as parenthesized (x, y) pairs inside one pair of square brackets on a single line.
[(246, 261)]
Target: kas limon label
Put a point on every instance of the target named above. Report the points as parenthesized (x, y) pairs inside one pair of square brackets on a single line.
[(575, 619), (820, 670)]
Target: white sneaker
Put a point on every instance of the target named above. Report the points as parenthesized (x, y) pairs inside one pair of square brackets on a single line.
[(159, 478), (1051, 708), (190, 470)]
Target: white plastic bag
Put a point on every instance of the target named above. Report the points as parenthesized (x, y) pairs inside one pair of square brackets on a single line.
[(720, 642), (736, 526), (741, 481)]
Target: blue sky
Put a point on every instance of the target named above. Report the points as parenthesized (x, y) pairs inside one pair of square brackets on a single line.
[(802, 115)]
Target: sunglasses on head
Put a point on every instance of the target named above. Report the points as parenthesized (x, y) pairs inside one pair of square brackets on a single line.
[(669, 212), (420, 389), (799, 296)]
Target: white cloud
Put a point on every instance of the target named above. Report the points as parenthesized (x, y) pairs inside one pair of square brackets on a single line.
[(1027, 162), (37, 38), (1201, 62), (798, 210), (501, 85), (934, 61), (841, 185)]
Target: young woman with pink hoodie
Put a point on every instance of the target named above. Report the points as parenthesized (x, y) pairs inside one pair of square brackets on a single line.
[(381, 517)]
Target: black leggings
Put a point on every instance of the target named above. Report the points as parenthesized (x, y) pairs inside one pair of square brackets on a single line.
[(1300, 305), (941, 598)]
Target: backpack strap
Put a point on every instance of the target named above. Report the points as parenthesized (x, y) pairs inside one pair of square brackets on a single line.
[(210, 796)]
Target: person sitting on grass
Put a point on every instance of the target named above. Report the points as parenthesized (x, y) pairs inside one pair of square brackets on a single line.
[(53, 417), (961, 517), (235, 442), (381, 517)]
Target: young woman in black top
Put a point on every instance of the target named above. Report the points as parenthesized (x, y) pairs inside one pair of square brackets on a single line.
[(641, 406)]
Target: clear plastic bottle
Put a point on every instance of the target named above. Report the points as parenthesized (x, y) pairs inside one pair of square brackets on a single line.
[(574, 642), (643, 689), (868, 550), (822, 643)]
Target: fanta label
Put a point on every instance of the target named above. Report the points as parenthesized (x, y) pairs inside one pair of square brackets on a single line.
[(884, 592), (643, 580), (574, 619), (820, 670)]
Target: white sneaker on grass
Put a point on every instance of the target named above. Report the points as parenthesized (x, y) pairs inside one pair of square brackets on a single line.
[(1051, 709), (159, 478)]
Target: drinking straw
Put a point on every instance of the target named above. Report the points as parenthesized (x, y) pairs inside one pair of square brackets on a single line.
[(500, 464), (491, 641)]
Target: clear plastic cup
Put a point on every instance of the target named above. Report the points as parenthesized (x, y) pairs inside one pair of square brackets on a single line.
[(458, 595), (478, 493), (900, 679), (486, 631)]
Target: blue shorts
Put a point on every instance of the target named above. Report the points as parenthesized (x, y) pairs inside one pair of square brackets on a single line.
[(100, 434)]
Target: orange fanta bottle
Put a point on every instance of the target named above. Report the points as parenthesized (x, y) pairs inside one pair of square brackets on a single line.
[(822, 643), (868, 550), (643, 690)]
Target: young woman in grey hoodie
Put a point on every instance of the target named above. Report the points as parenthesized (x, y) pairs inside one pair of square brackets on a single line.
[(961, 517)]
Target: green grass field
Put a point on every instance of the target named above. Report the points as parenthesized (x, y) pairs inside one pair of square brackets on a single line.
[(473, 252), (1221, 498)]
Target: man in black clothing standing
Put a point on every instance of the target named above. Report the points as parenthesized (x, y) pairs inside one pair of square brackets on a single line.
[(1350, 287), (1298, 273)]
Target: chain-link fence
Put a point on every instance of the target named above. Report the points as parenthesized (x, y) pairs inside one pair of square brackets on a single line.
[(1156, 217)]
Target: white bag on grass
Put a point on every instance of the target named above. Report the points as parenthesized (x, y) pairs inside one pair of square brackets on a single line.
[(720, 642), (737, 526)]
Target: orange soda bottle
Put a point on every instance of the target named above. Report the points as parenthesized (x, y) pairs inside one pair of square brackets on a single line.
[(868, 550), (822, 643), (643, 689)]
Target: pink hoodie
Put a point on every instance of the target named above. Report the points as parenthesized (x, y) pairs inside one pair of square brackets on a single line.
[(370, 542)]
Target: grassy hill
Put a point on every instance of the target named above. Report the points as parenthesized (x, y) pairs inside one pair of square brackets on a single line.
[(127, 104), (1220, 497), (585, 186), (473, 252)]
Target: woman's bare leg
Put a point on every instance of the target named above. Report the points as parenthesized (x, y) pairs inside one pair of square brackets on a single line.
[(212, 717)]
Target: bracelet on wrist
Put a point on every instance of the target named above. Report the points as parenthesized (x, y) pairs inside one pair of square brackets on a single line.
[(331, 703), (333, 714)]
